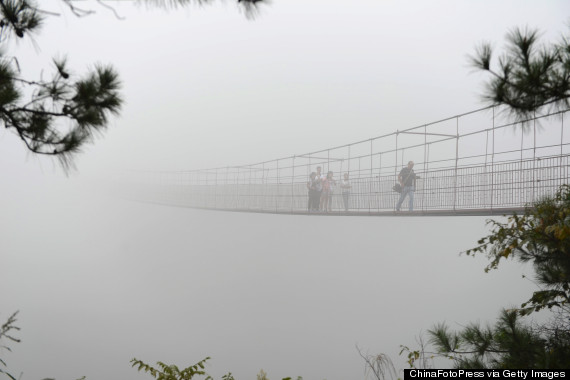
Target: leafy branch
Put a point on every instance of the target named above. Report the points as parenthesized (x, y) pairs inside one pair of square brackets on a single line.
[(172, 372), (527, 76), (542, 236), (5, 333)]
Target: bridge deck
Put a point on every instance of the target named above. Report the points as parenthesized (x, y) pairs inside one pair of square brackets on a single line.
[(462, 212)]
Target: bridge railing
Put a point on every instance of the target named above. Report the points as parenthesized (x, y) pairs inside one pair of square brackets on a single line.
[(477, 160)]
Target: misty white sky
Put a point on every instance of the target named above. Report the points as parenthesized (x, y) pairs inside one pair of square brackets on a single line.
[(99, 281), (206, 87)]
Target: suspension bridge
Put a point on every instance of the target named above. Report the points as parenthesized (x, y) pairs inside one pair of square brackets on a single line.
[(476, 163)]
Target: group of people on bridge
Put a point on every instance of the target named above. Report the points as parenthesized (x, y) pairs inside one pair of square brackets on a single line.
[(322, 188)]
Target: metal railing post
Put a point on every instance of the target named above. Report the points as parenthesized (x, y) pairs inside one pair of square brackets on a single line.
[(293, 185), (456, 164)]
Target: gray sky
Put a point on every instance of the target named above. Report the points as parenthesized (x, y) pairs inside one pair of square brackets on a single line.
[(99, 281), (207, 87)]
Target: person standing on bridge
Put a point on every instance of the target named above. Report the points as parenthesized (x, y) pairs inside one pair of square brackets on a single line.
[(319, 186), (407, 179), (345, 187), (328, 188), (314, 196)]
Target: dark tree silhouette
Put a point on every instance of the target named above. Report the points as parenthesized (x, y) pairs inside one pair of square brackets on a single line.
[(527, 76), (6, 331), (540, 236), (57, 116), (507, 344)]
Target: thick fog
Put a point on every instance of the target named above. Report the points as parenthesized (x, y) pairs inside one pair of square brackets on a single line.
[(99, 280)]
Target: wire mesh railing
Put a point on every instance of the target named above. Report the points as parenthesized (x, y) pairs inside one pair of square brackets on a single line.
[(474, 161)]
